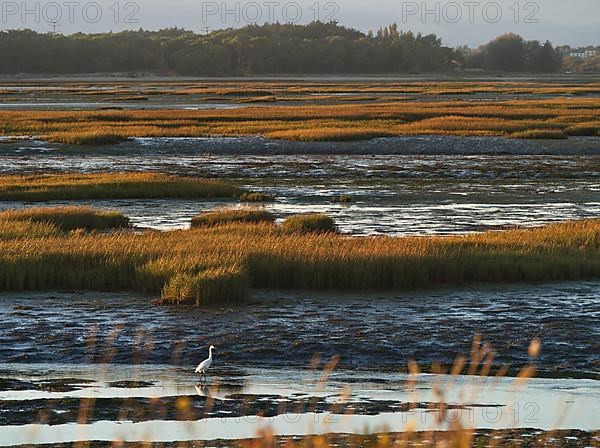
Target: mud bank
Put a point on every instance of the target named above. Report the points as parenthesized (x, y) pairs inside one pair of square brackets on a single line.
[(408, 145), (287, 330), (523, 438)]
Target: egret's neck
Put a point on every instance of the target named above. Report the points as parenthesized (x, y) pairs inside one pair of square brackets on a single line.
[(210, 352)]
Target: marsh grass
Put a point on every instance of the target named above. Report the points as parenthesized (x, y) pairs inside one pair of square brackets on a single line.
[(25, 228), (88, 138), (258, 99), (329, 134), (272, 257), (256, 196), (309, 223), (111, 186), (315, 122), (224, 216), (220, 285), (333, 91), (534, 134), (460, 123), (584, 129), (43, 219)]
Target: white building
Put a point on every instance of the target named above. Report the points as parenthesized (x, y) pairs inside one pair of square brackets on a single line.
[(583, 53)]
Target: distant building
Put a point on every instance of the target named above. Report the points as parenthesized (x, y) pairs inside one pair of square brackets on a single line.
[(583, 52)]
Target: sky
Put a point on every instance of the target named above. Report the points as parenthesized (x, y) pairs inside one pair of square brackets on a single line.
[(460, 22)]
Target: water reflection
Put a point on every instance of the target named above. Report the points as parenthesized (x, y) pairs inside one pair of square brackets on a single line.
[(477, 402)]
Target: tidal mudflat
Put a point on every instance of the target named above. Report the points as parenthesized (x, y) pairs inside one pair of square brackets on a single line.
[(368, 331), (56, 348)]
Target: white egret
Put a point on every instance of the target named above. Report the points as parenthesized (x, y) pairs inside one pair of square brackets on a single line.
[(204, 365)]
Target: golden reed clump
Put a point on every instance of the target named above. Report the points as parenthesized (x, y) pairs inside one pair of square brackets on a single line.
[(220, 263)]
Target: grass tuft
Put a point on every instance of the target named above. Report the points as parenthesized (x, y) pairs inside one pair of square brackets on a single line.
[(226, 216), (11, 229), (342, 199), (541, 134), (309, 223), (256, 196), (209, 287), (67, 218)]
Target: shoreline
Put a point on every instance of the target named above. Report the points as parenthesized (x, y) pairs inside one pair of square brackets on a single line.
[(449, 77)]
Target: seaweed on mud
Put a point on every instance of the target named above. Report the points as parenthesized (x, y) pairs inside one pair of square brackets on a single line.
[(7, 384), (48, 385), (130, 384), (523, 438), (66, 410)]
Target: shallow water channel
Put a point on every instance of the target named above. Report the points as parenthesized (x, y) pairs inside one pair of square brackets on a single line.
[(290, 402), (408, 186)]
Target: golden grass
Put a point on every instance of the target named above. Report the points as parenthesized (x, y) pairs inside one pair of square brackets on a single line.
[(45, 220), (329, 134), (271, 257), (111, 186), (553, 134), (258, 99), (464, 123), (309, 223), (87, 138), (11, 229), (315, 122), (225, 216), (222, 285)]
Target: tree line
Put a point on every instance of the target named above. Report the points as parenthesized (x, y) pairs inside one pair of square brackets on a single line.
[(316, 48), (511, 53)]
